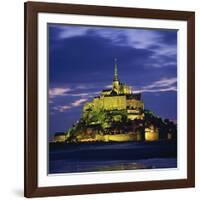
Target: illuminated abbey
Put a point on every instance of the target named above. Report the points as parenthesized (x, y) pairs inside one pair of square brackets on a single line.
[(119, 98), (118, 115)]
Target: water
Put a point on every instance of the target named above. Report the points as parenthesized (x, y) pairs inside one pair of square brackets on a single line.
[(90, 157)]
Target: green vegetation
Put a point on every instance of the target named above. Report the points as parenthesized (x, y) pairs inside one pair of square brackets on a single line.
[(103, 123)]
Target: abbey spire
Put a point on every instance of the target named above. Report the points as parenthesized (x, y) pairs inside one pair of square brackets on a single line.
[(115, 71), (116, 83)]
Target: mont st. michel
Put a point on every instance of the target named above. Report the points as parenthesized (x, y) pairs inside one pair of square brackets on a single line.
[(118, 114), (115, 132), (107, 114)]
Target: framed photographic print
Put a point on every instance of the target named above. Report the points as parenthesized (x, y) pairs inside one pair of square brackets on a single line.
[(109, 99)]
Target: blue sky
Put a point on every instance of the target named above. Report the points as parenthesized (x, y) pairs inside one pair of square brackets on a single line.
[(81, 64)]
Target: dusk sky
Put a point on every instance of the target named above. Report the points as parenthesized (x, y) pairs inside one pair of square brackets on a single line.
[(81, 64)]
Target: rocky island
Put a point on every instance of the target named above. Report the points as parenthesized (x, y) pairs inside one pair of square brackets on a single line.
[(118, 115)]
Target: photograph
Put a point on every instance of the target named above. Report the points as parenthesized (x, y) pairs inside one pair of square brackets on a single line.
[(109, 99), (112, 98)]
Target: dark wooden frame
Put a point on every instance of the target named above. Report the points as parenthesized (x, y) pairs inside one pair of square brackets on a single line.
[(31, 188)]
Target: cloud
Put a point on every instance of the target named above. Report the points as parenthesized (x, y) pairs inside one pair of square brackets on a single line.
[(79, 94), (54, 92), (78, 102), (160, 64), (62, 108), (163, 85), (163, 52), (164, 82), (163, 49), (137, 38), (72, 91), (164, 55), (82, 87), (142, 39), (170, 89), (108, 86), (72, 31), (85, 94)]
